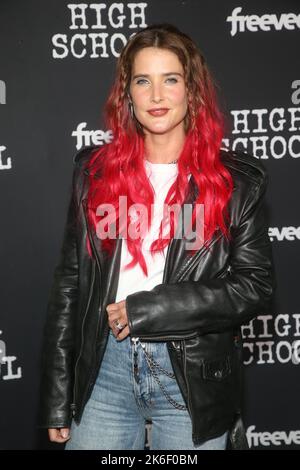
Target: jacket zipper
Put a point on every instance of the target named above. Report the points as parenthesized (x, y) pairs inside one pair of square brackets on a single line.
[(194, 259), (226, 270), (192, 335), (92, 243), (73, 405), (168, 338), (187, 386), (167, 257)]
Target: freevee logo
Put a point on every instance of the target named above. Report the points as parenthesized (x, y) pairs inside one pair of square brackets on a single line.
[(285, 233), (253, 23), (275, 438), (85, 137)]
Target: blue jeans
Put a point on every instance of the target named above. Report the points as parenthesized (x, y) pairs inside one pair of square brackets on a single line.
[(126, 395)]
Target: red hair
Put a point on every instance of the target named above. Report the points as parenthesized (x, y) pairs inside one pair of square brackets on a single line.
[(120, 164)]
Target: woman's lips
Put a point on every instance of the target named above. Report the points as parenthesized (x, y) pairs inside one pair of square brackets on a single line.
[(158, 112)]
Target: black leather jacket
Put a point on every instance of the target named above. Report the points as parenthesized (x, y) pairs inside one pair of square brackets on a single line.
[(197, 310)]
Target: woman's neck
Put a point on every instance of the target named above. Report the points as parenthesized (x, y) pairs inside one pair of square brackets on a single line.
[(163, 148)]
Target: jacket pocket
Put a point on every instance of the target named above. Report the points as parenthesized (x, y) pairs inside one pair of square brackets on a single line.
[(217, 370)]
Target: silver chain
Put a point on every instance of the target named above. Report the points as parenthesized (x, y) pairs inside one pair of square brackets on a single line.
[(156, 364), (152, 364), (168, 163)]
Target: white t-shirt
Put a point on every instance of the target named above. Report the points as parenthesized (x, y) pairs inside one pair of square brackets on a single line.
[(162, 176)]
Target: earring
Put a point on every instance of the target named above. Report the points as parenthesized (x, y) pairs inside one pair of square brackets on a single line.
[(131, 109)]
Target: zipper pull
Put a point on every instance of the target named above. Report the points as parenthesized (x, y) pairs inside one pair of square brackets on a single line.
[(135, 364), (73, 409), (134, 340)]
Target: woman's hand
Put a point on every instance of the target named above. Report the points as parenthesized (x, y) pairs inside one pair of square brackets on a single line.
[(117, 313), (59, 435)]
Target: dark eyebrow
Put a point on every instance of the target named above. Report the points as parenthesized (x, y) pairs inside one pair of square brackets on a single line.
[(164, 74)]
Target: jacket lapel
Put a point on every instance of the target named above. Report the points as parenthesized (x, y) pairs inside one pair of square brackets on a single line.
[(179, 260), (109, 266)]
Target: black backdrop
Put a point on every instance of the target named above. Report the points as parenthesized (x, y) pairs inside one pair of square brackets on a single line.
[(52, 89)]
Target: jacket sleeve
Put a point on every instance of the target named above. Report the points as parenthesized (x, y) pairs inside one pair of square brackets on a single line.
[(59, 335), (217, 304)]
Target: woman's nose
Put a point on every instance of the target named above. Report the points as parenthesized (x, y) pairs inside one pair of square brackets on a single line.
[(156, 93)]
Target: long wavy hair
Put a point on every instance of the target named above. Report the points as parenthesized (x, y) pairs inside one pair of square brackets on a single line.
[(117, 169)]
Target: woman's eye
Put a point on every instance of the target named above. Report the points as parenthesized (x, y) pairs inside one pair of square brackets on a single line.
[(141, 80)]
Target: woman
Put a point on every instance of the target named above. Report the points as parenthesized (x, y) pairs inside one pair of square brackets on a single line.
[(144, 323)]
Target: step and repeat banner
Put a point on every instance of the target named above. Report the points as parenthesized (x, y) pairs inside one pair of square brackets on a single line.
[(57, 62)]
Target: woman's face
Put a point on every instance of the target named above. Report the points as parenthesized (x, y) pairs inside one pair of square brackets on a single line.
[(157, 81)]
